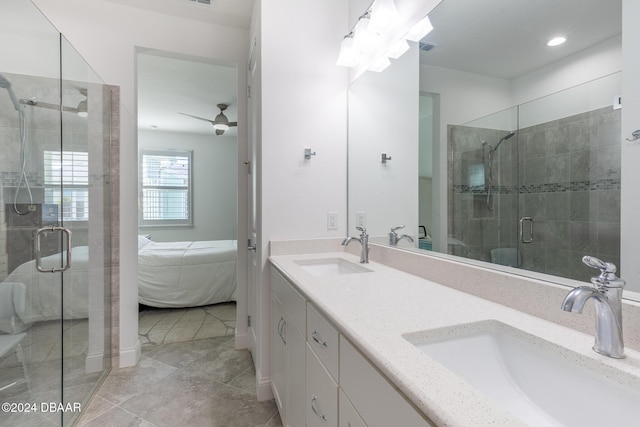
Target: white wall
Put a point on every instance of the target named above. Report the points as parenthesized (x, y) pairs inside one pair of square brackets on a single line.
[(383, 118), (106, 34), (215, 184), (303, 104), (599, 60)]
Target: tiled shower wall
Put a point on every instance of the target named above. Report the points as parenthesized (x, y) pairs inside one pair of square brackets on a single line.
[(565, 174)]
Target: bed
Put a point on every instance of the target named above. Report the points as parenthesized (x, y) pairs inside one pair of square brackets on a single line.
[(170, 274), (186, 274), (43, 289)]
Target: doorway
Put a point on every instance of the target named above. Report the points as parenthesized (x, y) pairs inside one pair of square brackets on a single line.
[(188, 186)]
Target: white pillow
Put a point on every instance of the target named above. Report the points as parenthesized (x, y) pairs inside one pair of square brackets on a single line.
[(142, 241)]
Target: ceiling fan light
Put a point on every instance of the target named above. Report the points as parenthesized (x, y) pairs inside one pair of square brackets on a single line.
[(418, 31), (221, 126)]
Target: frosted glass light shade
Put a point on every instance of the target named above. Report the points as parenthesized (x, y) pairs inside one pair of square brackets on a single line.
[(383, 15), (398, 49), (364, 38), (221, 126), (418, 31), (348, 56), (380, 64)]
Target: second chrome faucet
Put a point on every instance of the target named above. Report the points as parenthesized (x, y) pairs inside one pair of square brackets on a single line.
[(607, 296), (394, 238), (364, 244)]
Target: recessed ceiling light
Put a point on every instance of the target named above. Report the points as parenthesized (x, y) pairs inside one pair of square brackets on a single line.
[(556, 41)]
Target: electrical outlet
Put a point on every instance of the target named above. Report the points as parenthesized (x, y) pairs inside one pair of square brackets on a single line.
[(332, 220), (361, 219)]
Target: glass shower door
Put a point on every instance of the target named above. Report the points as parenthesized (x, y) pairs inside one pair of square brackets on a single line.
[(569, 179), (537, 186), (55, 122), (30, 319)]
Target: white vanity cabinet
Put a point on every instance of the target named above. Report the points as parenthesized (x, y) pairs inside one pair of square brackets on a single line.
[(376, 399), (325, 381), (288, 326), (348, 416), (322, 393)]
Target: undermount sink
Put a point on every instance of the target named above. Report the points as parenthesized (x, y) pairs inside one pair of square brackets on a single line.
[(330, 267), (539, 382)]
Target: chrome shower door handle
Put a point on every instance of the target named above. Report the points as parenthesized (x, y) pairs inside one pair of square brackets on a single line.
[(530, 221), (45, 231)]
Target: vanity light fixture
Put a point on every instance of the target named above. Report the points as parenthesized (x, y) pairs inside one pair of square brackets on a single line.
[(379, 35), (364, 35), (349, 56), (419, 30), (383, 15), (556, 41), (379, 64), (398, 49)]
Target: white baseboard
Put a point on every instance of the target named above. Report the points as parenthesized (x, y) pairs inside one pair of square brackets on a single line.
[(130, 356), (263, 388), (94, 363), (242, 340)]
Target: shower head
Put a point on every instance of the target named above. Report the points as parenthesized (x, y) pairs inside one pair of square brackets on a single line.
[(6, 84), (504, 138)]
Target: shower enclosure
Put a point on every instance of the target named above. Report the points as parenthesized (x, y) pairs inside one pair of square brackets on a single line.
[(537, 186), (55, 223)]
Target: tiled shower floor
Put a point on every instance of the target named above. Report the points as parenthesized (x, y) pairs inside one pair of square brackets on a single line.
[(189, 375)]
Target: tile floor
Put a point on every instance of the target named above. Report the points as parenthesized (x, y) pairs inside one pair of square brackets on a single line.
[(44, 357), (186, 382)]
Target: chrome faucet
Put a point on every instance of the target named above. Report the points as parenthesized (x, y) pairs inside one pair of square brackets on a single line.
[(394, 238), (364, 244), (607, 296)]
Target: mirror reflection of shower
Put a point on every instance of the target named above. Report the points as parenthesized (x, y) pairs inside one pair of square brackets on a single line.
[(22, 180), (490, 167)]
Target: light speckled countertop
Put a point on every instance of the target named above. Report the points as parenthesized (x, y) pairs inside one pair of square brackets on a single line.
[(373, 310)]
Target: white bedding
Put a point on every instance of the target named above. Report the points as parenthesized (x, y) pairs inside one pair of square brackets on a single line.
[(43, 289), (187, 274), (173, 274)]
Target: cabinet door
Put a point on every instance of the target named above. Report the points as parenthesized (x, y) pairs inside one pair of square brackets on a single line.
[(278, 354), (348, 415), (296, 376), (322, 394)]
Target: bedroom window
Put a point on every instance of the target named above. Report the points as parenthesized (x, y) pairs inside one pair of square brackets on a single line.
[(66, 183), (165, 187)]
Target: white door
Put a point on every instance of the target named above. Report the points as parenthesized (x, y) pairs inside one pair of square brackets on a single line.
[(253, 123)]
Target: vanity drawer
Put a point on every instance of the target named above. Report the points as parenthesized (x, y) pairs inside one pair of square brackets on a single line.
[(379, 403), (348, 416), (322, 394), (294, 305), (323, 339)]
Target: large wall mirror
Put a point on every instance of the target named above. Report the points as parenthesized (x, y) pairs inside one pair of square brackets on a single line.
[(499, 149)]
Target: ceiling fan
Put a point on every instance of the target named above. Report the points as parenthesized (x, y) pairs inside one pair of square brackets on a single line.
[(221, 123)]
